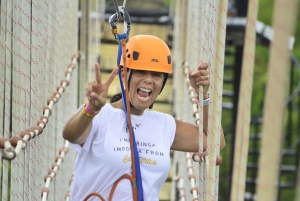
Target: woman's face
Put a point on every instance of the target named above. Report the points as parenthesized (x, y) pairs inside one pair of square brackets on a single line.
[(144, 88)]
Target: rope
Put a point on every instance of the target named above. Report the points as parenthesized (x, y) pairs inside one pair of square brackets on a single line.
[(216, 96), (210, 51), (12, 147), (194, 100), (53, 171), (126, 104), (181, 189), (279, 62), (244, 107), (204, 57), (6, 24), (125, 99), (137, 184)]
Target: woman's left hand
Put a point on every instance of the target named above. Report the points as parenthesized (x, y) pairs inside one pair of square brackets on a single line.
[(201, 77)]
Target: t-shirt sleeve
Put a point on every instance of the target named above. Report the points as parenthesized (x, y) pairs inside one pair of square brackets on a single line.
[(171, 128)]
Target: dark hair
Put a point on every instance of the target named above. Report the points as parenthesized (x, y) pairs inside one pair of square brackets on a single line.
[(116, 97)]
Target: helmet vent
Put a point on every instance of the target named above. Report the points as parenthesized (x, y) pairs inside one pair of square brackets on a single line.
[(169, 59), (136, 55)]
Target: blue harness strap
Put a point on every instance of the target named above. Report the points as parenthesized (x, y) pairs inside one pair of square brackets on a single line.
[(136, 155)]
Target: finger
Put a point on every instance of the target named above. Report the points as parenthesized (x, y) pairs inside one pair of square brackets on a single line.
[(88, 89), (191, 73), (203, 83), (94, 95), (111, 76), (98, 73), (202, 78), (218, 160), (202, 75), (203, 66)]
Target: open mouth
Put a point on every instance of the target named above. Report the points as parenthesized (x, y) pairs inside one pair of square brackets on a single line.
[(143, 94)]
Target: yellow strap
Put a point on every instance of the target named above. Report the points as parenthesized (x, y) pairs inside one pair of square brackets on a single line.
[(86, 113)]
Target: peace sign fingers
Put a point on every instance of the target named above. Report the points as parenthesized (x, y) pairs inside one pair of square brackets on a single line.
[(97, 91), (111, 77), (98, 73)]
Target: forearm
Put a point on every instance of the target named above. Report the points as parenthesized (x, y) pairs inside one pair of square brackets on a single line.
[(78, 127)]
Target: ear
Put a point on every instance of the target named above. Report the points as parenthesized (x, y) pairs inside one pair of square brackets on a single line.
[(122, 73)]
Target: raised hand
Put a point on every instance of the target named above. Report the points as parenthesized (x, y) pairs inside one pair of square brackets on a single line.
[(201, 77), (97, 92)]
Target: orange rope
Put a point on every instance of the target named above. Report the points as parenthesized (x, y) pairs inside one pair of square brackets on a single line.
[(134, 186), (132, 177)]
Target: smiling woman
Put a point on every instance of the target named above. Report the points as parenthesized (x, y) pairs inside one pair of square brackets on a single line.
[(99, 131)]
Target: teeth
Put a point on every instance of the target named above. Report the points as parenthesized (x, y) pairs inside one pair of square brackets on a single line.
[(145, 90)]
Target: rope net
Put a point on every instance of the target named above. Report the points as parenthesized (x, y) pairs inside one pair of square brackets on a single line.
[(38, 39), (200, 39)]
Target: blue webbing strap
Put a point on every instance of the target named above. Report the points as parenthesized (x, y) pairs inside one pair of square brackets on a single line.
[(136, 155)]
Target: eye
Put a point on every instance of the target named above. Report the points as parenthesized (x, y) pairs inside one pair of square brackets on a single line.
[(140, 72), (157, 74)]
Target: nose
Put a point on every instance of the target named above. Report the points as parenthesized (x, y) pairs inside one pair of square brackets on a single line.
[(148, 78)]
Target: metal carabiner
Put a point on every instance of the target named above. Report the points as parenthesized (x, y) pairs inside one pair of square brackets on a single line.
[(125, 16)]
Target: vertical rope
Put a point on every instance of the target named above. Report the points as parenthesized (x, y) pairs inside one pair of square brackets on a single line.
[(279, 62), (204, 57), (83, 48), (219, 35), (178, 52), (244, 107), (70, 102), (37, 86), (179, 47), (7, 7), (91, 36), (17, 92), (3, 14), (202, 30), (43, 31), (58, 109)]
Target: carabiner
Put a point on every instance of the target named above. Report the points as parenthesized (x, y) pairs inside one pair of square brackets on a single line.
[(125, 16)]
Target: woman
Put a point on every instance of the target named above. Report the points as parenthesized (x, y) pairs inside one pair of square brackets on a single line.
[(99, 133)]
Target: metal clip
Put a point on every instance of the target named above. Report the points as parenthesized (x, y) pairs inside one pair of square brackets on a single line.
[(116, 17)]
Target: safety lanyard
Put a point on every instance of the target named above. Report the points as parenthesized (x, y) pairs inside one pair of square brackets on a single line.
[(122, 39), (135, 178)]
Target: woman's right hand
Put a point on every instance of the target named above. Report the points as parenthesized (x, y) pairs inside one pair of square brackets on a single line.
[(97, 92)]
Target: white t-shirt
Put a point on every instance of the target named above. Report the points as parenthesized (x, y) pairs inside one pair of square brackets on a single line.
[(106, 155)]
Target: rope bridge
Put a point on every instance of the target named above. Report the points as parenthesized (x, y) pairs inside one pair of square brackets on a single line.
[(201, 38), (42, 83)]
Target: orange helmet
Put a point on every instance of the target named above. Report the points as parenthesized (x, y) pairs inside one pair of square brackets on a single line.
[(150, 53)]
